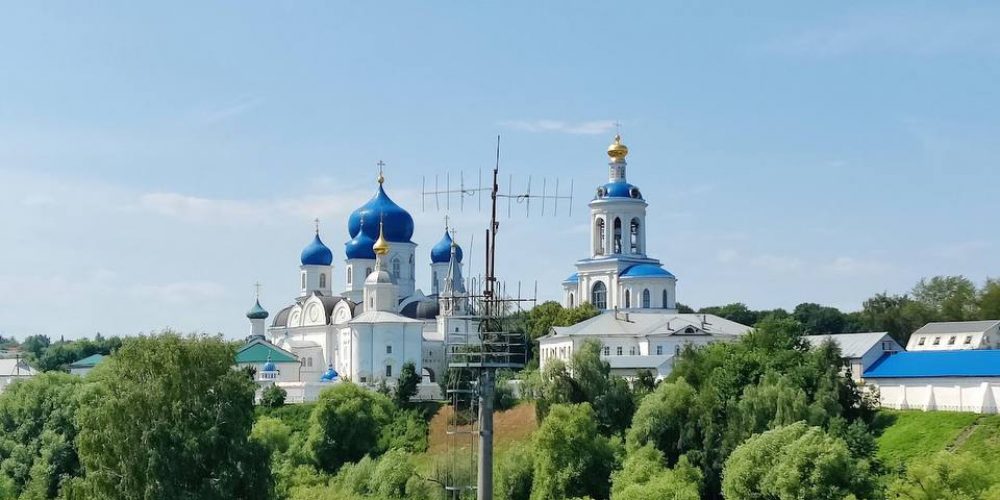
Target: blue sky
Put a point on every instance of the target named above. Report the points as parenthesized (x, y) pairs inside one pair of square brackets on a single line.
[(157, 160)]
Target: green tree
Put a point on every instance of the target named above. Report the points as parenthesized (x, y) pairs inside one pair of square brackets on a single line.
[(989, 299), (271, 433), (406, 385), (737, 312), (643, 475), (793, 462), (35, 345), (37, 432), (391, 475), (666, 419), (346, 424), (273, 397), (946, 476), (170, 418), (515, 471), (952, 298), (897, 314), (572, 459), (556, 386), (819, 319)]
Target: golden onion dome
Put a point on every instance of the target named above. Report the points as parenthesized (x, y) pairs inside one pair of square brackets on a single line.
[(617, 150), (381, 246)]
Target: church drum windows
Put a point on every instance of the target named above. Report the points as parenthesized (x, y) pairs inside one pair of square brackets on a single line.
[(322, 280), (571, 300), (600, 233), (599, 295), (634, 236), (349, 275), (395, 268), (665, 299), (628, 299), (645, 298), (618, 235)]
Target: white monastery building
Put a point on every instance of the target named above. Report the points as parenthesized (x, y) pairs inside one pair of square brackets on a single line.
[(639, 328), (955, 335), (379, 321), (859, 351)]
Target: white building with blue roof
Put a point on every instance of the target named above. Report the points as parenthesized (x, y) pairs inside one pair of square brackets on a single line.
[(619, 274), (380, 320), (958, 380)]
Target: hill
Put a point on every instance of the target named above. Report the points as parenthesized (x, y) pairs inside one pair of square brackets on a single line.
[(912, 435)]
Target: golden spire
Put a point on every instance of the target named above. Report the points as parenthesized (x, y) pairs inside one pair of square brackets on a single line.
[(381, 246), (617, 151)]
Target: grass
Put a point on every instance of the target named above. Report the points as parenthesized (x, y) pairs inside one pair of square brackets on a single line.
[(908, 435)]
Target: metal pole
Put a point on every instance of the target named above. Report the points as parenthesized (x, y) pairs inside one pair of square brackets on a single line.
[(484, 484)]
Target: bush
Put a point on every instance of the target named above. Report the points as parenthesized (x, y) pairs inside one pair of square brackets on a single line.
[(515, 473), (272, 434), (273, 397), (391, 474), (346, 424)]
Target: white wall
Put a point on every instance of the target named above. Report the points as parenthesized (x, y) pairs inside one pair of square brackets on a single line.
[(973, 394)]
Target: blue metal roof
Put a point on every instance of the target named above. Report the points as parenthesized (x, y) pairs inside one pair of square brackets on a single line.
[(316, 253), (573, 278), (620, 189), (912, 364), (646, 271)]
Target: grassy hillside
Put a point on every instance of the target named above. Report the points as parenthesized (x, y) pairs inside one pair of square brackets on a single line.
[(913, 435)]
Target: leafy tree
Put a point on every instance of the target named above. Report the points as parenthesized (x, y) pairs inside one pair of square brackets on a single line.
[(773, 403), (271, 433), (897, 314), (406, 385), (273, 397), (345, 425), (556, 387), (515, 473), (819, 319), (407, 430), (170, 418), (737, 312), (796, 461), (643, 475), (952, 298), (666, 419), (571, 458), (644, 382), (391, 475), (946, 476), (35, 345), (37, 432), (989, 299)]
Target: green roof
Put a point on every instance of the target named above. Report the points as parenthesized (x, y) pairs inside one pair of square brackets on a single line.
[(88, 362), (257, 352)]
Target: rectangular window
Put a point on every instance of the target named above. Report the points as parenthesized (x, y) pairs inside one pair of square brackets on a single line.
[(659, 350), (631, 351), (968, 339), (388, 349), (607, 351), (388, 370), (921, 341), (951, 341), (937, 340), (618, 350)]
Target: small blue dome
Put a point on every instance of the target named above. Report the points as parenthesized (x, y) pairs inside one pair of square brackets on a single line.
[(360, 247), (441, 253), (398, 224), (646, 271), (257, 312), (316, 253), (269, 366), (329, 375), (573, 278), (619, 189)]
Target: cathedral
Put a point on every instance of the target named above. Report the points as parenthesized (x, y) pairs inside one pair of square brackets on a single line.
[(379, 321)]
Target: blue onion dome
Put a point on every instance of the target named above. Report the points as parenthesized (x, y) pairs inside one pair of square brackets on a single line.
[(329, 375), (316, 253), (441, 253), (269, 365), (398, 222), (257, 312), (360, 247)]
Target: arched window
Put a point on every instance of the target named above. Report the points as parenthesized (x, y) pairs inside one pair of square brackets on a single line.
[(599, 295), (618, 235), (599, 232), (303, 281), (395, 268), (634, 236), (368, 271), (434, 281), (349, 275), (645, 299), (571, 300), (628, 299), (413, 267), (322, 280), (665, 299)]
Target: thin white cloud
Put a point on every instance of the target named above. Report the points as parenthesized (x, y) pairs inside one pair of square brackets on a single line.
[(853, 266), (776, 263), (594, 127), (238, 106)]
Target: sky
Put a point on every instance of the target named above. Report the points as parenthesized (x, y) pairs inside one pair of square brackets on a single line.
[(158, 159)]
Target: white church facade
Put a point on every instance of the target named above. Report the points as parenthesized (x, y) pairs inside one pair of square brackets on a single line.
[(639, 328), (377, 323)]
